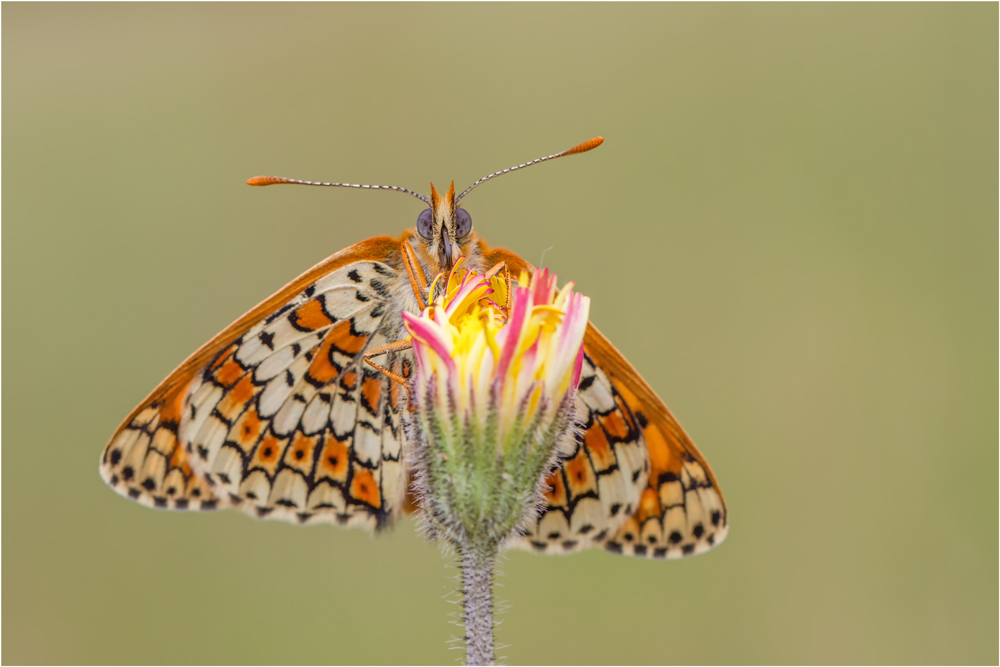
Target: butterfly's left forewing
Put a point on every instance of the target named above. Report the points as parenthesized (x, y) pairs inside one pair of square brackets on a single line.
[(278, 415)]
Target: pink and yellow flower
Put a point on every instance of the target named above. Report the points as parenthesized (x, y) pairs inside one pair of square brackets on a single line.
[(494, 387), (526, 355)]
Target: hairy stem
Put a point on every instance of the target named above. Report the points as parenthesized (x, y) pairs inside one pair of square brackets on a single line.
[(477, 589)]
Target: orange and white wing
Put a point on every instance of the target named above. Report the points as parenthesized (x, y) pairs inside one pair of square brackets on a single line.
[(278, 415), (635, 482)]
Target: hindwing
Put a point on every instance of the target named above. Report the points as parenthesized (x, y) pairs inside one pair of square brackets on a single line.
[(278, 415), (635, 483)]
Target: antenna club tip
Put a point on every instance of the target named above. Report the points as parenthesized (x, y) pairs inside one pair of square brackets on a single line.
[(264, 180), (585, 146)]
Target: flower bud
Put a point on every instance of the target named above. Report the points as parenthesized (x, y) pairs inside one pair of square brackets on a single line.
[(492, 397)]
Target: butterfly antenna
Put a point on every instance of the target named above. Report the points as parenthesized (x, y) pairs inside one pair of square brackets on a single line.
[(275, 180), (579, 148)]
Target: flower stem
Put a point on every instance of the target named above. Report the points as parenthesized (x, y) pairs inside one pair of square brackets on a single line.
[(477, 589)]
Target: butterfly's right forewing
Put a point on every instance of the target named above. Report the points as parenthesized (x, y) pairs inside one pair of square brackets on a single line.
[(278, 415)]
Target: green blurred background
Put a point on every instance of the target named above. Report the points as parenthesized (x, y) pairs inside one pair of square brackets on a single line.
[(791, 231)]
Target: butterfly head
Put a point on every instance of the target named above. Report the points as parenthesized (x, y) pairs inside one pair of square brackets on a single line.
[(445, 229)]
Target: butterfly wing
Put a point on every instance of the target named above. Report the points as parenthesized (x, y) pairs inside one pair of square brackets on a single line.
[(635, 483), (681, 510), (277, 414), (597, 485)]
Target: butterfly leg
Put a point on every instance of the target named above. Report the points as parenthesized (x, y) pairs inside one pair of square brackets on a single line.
[(495, 270), (418, 282), (398, 346), (506, 277)]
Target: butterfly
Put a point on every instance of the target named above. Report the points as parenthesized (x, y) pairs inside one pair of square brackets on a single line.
[(280, 416)]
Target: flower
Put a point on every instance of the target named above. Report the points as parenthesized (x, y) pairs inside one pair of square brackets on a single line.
[(493, 391)]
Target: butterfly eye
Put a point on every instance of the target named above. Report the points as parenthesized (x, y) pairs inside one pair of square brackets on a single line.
[(425, 223), (463, 223)]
